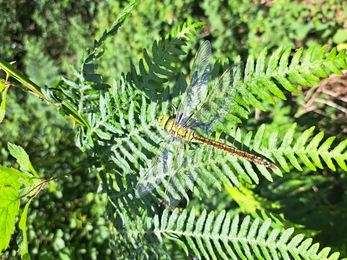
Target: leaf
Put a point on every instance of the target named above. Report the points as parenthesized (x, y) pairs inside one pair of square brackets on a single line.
[(9, 209), (311, 152), (4, 91), (22, 238), (302, 70), (22, 158), (13, 178), (2, 114), (220, 236)]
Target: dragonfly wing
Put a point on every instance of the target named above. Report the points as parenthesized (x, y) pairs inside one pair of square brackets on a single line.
[(171, 168), (196, 92), (158, 170), (182, 176), (218, 102)]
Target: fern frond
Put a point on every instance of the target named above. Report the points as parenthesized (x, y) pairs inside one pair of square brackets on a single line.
[(219, 236), (304, 69), (183, 31), (155, 71), (308, 149)]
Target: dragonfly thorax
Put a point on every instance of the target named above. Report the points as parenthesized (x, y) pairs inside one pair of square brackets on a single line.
[(169, 124)]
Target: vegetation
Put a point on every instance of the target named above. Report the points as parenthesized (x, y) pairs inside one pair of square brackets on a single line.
[(72, 189)]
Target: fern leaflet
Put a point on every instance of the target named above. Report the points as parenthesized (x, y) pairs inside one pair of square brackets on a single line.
[(219, 236)]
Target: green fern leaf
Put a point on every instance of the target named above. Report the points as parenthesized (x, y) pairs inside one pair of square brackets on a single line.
[(325, 154), (339, 156), (303, 69), (187, 29), (308, 149), (212, 236), (260, 66)]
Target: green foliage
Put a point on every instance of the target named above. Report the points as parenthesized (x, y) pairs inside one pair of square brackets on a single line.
[(156, 21), (306, 151), (134, 135), (218, 236), (264, 24), (14, 184), (57, 25), (49, 141), (118, 130)]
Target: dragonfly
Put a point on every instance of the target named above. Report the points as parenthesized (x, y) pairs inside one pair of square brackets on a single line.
[(199, 110)]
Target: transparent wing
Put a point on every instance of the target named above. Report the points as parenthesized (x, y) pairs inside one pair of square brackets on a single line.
[(182, 176), (158, 170), (219, 101), (196, 92), (167, 169)]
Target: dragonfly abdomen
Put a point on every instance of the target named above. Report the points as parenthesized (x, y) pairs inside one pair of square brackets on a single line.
[(233, 150)]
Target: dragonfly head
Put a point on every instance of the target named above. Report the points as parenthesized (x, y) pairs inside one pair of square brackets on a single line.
[(164, 121)]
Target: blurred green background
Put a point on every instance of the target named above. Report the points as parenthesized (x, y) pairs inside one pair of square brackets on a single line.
[(67, 220)]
